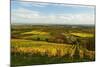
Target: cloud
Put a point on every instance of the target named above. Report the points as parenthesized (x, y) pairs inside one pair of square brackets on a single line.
[(22, 15), (33, 4), (73, 5), (43, 4)]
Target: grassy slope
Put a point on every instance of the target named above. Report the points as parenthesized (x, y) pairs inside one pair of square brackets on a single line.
[(25, 59)]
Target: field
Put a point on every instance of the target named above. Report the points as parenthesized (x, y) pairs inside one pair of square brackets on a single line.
[(50, 44), (83, 34)]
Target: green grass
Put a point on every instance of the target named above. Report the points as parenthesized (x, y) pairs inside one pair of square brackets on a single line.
[(36, 32), (34, 45), (20, 58), (37, 60), (31, 43), (82, 34), (37, 37)]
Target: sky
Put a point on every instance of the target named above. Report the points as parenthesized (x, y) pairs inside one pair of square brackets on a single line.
[(51, 13)]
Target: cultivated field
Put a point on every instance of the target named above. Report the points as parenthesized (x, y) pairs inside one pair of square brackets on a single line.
[(49, 44)]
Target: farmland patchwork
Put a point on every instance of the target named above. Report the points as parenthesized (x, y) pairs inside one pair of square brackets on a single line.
[(49, 33)]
